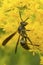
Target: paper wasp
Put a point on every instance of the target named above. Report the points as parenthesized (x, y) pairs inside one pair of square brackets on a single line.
[(22, 35)]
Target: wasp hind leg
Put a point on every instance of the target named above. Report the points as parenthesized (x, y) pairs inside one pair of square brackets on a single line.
[(29, 40)]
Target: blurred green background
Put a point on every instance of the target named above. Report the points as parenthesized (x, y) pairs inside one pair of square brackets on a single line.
[(8, 57)]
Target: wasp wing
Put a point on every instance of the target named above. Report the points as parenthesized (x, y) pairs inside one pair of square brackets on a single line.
[(8, 38)]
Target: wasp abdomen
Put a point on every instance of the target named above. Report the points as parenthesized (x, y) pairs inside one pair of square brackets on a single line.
[(24, 45)]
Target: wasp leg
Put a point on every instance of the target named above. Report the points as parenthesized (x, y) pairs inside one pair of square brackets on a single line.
[(28, 30), (8, 38), (29, 40), (17, 44)]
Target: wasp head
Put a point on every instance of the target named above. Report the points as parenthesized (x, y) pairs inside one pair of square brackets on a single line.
[(23, 23)]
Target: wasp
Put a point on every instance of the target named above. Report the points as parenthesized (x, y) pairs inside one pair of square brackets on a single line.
[(23, 37)]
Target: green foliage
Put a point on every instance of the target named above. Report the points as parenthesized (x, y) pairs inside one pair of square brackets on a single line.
[(8, 57)]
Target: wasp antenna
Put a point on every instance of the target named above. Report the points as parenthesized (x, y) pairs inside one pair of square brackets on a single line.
[(20, 16), (26, 19)]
